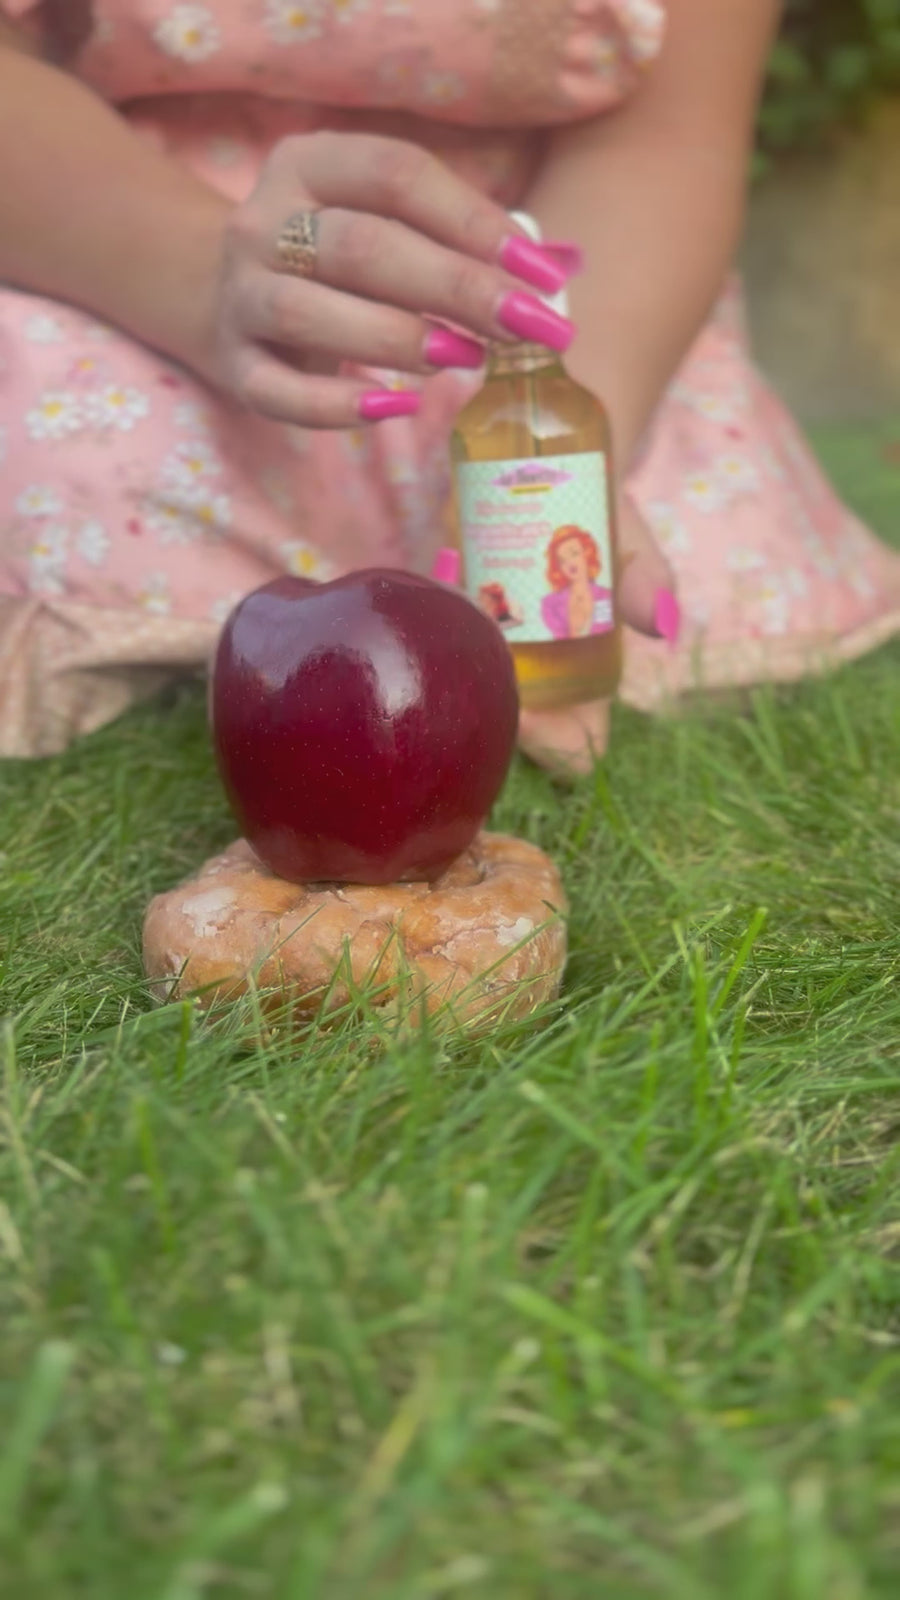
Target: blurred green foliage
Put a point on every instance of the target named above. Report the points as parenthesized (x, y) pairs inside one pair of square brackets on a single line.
[(832, 59)]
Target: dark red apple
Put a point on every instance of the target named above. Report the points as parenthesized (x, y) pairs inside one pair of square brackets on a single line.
[(363, 728)]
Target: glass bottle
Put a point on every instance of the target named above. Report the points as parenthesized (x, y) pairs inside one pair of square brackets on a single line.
[(535, 522)]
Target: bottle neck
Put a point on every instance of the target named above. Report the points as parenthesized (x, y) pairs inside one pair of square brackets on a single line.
[(505, 359)]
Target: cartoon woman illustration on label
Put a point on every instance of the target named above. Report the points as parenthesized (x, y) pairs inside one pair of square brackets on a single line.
[(578, 605)]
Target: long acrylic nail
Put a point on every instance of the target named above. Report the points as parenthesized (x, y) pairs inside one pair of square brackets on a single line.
[(380, 404), (447, 567), (569, 257), (530, 320), (443, 348), (527, 260), (667, 616)]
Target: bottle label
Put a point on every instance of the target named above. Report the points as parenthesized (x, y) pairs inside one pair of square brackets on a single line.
[(536, 544)]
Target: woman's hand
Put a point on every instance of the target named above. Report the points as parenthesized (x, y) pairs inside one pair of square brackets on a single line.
[(94, 215), (400, 240), (568, 742)]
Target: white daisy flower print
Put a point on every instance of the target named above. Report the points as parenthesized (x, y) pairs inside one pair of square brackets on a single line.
[(861, 584), (47, 561), (212, 512), (400, 471), (299, 559), (668, 526), (851, 553), (82, 369), (397, 75), (115, 406), (39, 500), (744, 559), (356, 444), (187, 414), (346, 10), (57, 414), (803, 464), (716, 408), (707, 403), (187, 511), (819, 555), (645, 21), (854, 540), (189, 33), (92, 543), (278, 491), (606, 59), (170, 520), (703, 492), (221, 609), (154, 595), (775, 608), (770, 463), (736, 475), (41, 329), (192, 462), (294, 21), (442, 88)]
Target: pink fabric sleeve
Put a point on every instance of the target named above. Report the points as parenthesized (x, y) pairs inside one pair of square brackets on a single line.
[(476, 63), (27, 14), (602, 50)]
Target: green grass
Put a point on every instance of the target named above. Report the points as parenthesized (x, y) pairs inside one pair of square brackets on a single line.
[(606, 1309)]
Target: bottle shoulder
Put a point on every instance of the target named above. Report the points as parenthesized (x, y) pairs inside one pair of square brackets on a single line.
[(543, 412)]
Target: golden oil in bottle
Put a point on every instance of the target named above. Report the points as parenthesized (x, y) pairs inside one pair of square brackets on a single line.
[(535, 521)]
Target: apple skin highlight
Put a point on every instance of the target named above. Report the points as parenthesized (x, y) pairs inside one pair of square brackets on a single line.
[(363, 728)]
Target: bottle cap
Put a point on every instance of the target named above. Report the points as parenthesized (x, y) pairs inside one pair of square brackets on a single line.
[(532, 228)]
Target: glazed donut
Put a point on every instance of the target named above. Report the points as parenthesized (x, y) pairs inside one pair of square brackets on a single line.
[(487, 939)]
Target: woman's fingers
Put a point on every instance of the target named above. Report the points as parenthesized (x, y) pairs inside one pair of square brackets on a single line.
[(312, 400), (396, 226), (647, 599), (390, 263), (313, 319), (392, 179), (567, 742), (403, 247)]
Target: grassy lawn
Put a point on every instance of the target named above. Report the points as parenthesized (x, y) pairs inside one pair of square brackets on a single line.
[(604, 1310)]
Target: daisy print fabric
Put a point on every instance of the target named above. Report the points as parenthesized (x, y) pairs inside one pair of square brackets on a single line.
[(485, 63)]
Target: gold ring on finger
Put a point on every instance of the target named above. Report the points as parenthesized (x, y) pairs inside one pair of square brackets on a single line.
[(298, 244)]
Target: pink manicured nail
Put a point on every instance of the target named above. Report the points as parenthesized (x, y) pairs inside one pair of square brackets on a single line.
[(380, 404), (568, 257), (667, 616), (447, 567), (527, 260), (444, 348), (531, 320)]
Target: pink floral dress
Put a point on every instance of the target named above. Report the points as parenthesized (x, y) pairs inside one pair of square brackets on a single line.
[(136, 506)]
